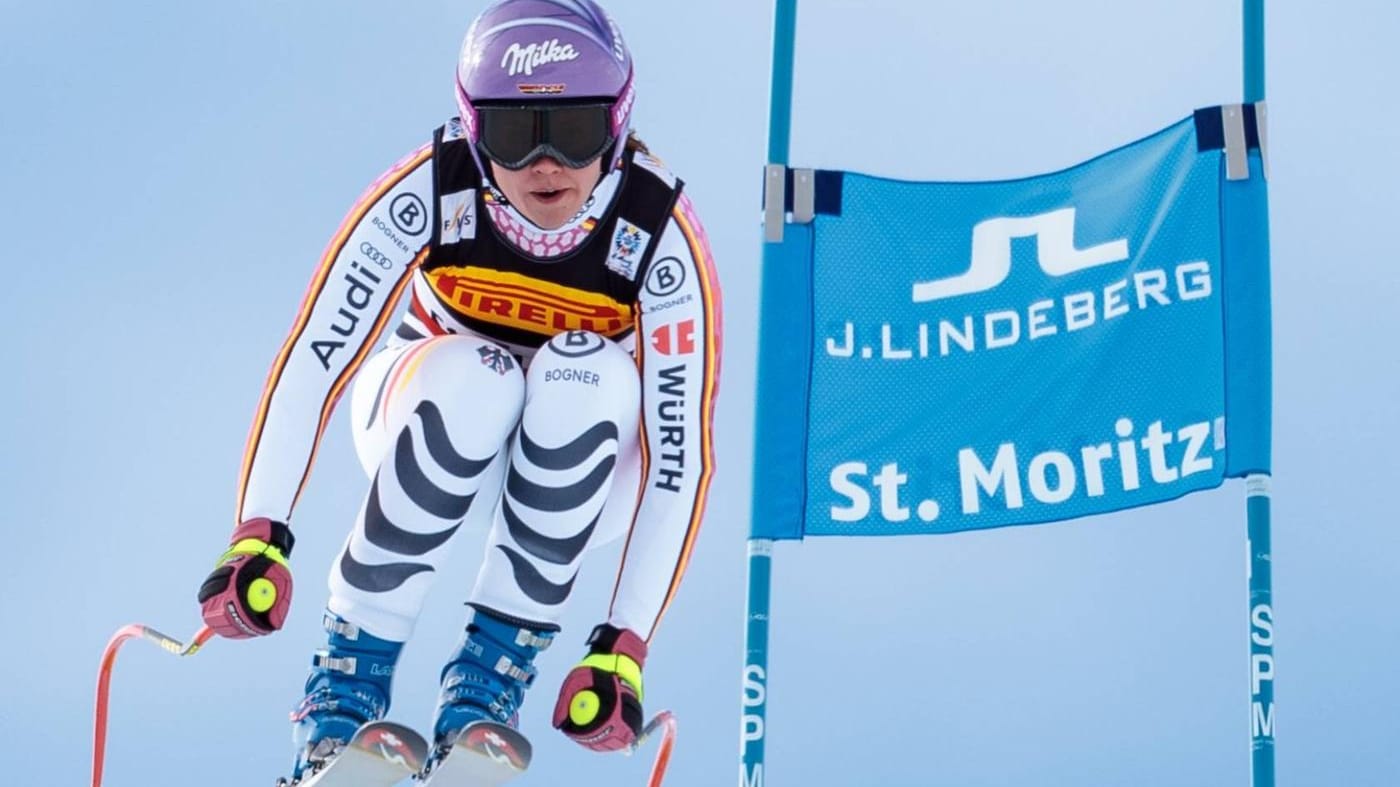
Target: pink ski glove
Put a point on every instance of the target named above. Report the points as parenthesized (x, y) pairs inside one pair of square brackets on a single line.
[(600, 703), (248, 594)]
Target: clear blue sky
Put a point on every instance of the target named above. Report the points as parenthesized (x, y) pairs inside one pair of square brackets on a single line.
[(173, 170)]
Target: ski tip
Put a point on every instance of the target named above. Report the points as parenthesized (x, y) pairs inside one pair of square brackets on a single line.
[(498, 742), (393, 742)]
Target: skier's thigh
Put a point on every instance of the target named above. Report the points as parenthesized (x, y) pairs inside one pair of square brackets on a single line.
[(576, 382), (472, 386)]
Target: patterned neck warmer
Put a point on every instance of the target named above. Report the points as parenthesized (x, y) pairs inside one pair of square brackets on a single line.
[(548, 244)]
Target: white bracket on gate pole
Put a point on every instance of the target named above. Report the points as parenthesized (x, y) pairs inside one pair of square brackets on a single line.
[(1236, 148), (804, 196), (774, 197)]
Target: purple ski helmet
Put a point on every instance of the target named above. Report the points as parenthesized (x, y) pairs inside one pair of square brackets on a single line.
[(548, 51)]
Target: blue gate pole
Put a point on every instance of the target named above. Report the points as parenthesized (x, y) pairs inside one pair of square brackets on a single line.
[(760, 557), (756, 663), (1253, 50), (780, 93), (1261, 608), (1261, 633)]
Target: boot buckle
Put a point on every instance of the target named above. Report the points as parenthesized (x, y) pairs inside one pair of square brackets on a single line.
[(527, 639), (343, 664), (344, 628), (505, 666)]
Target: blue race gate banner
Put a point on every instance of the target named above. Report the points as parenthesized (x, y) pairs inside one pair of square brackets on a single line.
[(939, 357)]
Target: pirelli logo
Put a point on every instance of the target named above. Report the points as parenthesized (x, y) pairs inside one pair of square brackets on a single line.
[(526, 303)]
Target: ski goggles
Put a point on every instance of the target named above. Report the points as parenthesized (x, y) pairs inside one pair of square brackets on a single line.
[(573, 134)]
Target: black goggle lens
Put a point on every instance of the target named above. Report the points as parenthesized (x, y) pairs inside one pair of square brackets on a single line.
[(576, 135)]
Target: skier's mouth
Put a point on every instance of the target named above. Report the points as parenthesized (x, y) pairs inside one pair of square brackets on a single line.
[(548, 196)]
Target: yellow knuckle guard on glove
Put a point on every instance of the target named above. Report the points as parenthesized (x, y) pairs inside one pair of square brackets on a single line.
[(618, 665)]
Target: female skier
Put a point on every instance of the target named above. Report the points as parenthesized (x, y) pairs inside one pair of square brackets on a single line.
[(553, 379)]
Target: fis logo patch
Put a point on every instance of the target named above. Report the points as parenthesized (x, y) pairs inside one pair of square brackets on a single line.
[(496, 359), (458, 214), (628, 244)]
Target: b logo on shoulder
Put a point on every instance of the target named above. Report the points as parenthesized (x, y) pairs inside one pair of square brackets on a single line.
[(666, 277), (409, 214)]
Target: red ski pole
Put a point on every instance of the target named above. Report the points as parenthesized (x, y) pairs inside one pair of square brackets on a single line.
[(666, 722), (104, 678)]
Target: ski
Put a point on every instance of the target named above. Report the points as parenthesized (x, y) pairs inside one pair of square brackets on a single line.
[(486, 754), (380, 754)]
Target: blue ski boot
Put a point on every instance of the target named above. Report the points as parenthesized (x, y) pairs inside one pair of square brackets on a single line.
[(349, 686), (488, 675)]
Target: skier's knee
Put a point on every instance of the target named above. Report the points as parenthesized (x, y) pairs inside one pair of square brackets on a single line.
[(589, 372)]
